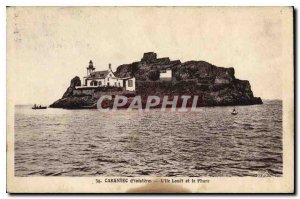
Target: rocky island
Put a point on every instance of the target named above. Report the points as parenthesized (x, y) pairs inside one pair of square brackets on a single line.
[(215, 86)]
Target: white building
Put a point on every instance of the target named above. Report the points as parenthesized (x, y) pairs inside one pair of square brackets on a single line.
[(165, 74), (106, 78), (130, 84)]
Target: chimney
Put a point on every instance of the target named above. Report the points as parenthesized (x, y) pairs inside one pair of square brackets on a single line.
[(109, 66)]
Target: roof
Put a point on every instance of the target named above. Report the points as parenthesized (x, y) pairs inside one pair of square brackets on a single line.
[(103, 74), (126, 78), (99, 74)]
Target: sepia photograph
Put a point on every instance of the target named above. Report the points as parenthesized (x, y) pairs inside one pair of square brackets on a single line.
[(150, 100)]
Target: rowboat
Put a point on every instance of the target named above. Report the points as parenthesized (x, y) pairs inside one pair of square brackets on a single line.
[(39, 107)]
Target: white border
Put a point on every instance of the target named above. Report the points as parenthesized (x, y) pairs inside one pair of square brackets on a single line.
[(5, 3)]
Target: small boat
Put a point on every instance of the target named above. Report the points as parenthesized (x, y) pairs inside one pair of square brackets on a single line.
[(234, 112), (39, 107)]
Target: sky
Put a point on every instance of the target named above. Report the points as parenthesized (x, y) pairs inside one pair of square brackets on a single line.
[(48, 46)]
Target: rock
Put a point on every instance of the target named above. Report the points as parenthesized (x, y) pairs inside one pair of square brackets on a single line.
[(68, 100), (149, 57), (75, 102), (74, 82), (216, 86)]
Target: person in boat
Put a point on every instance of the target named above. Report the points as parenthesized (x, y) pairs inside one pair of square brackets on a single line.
[(34, 106), (40, 106)]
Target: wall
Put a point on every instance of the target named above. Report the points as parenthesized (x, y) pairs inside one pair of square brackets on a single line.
[(166, 75), (132, 88), (98, 94), (98, 91), (112, 81), (98, 80), (80, 92)]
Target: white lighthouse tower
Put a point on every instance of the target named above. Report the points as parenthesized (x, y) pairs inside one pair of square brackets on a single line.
[(90, 68)]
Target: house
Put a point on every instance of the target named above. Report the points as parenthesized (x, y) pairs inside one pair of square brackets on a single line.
[(129, 83), (106, 78), (165, 75)]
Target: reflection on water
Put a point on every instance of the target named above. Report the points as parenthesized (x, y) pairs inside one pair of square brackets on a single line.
[(213, 142)]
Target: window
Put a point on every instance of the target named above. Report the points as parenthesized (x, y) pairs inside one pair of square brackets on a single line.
[(130, 83), (95, 83), (110, 75), (107, 83), (115, 83), (100, 83), (119, 84), (91, 83)]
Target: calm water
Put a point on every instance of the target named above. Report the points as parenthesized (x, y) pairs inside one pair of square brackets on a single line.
[(58, 142)]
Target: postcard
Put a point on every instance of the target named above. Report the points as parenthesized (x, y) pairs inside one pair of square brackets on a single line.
[(150, 100)]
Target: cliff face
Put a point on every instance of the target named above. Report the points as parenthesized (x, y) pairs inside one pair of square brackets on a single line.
[(74, 82), (215, 86), (68, 100)]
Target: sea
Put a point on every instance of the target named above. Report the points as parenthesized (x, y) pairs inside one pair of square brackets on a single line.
[(212, 142)]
